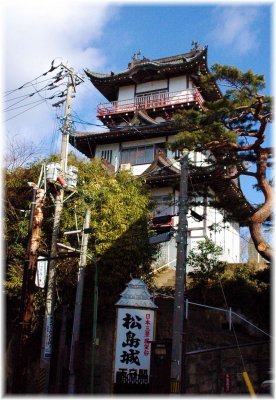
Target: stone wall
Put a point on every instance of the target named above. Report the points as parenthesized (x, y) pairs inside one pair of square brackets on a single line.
[(221, 371), (204, 372)]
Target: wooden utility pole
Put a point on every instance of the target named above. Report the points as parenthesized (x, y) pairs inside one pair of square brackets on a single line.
[(78, 306), (28, 289), (47, 335), (178, 348)]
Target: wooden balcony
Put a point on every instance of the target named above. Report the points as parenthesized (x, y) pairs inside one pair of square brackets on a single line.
[(151, 101)]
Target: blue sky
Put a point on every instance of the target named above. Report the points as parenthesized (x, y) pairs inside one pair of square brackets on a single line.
[(235, 35), (103, 36)]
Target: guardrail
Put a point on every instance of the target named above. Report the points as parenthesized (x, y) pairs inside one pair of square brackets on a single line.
[(151, 100)]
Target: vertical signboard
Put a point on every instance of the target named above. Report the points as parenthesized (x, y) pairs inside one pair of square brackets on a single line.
[(135, 328), (48, 337), (41, 272)]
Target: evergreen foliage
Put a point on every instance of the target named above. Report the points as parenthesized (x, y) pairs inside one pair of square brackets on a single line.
[(231, 131), (119, 244), (205, 263), (244, 287)]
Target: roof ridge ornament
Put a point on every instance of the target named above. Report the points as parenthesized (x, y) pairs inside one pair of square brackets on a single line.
[(136, 60), (196, 46), (135, 56)]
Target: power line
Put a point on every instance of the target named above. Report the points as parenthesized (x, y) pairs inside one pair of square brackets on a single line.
[(41, 101), (35, 79), (26, 105), (52, 84)]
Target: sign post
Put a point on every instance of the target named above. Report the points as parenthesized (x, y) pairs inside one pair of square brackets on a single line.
[(134, 334)]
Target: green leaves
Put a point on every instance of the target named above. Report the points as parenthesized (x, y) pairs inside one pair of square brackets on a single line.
[(119, 207), (224, 119), (205, 263), (247, 82), (197, 129)]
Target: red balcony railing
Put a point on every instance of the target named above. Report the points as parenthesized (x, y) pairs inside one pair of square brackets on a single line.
[(151, 100)]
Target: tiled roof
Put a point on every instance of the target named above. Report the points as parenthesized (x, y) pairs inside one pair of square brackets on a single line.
[(139, 71), (160, 63)]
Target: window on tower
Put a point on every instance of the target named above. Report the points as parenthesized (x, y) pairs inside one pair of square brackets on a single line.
[(107, 155), (137, 155)]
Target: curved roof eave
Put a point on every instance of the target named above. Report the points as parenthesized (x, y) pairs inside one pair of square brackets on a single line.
[(181, 59), (108, 83)]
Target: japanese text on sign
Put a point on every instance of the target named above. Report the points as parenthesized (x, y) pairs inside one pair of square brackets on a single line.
[(134, 334)]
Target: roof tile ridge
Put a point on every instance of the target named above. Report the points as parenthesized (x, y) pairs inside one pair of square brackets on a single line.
[(190, 54)]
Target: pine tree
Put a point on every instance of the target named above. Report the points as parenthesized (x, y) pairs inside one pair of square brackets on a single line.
[(233, 129)]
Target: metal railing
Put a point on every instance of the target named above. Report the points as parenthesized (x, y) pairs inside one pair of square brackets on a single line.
[(227, 311), (151, 100)]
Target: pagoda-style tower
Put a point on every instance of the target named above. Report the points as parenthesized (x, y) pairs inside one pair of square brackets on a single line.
[(139, 113)]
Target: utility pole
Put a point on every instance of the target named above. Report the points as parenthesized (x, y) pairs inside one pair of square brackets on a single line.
[(94, 325), (78, 306), (47, 334), (28, 289), (178, 348)]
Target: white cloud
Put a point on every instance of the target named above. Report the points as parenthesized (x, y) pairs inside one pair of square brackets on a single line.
[(235, 26), (35, 33)]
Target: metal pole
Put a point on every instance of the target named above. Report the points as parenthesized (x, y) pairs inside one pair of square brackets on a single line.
[(47, 334), (94, 327), (78, 306), (177, 360)]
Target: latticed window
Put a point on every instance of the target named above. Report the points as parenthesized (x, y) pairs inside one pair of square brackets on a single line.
[(137, 155), (107, 155)]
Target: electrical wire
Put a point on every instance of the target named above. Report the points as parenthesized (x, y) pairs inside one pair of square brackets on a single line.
[(28, 104), (54, 136), (41, 102), (26, 85), (8, 92), (51, 83)]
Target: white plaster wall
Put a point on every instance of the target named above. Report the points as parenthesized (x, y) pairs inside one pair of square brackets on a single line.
[(227, 237), (178, 83), (167, 255), (192, 223), (150, 86), (115, 152), (139, 169), (126, 92), (180, 87), (162, 191), (175, 84)]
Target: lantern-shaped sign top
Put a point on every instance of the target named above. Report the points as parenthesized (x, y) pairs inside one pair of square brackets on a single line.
[(136, 295)]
